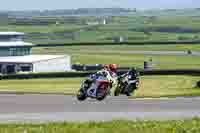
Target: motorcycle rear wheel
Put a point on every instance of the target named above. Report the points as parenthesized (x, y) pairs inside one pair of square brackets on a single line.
[(130, 89)]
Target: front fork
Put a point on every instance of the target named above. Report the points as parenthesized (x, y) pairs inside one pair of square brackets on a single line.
[(92, 90)]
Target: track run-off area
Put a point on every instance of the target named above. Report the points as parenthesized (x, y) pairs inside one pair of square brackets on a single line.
[(58, 108)]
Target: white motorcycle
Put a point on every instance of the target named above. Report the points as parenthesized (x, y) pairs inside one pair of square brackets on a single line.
[(97, 86)]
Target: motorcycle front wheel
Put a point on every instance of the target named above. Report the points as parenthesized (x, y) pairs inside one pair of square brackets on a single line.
[(81, 96), (100, 94), (117, 91)]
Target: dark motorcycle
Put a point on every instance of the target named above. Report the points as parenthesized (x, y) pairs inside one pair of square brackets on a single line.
[(127, 83), (97, 86)]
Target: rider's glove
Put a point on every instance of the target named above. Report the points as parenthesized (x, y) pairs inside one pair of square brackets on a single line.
[(104, 74)]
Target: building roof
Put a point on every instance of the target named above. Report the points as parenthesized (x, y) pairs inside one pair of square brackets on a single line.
[(15, 44), (11, 33), (29, 58)]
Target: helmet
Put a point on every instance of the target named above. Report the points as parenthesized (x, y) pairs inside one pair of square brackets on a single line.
[(113, 67), (134, 69)]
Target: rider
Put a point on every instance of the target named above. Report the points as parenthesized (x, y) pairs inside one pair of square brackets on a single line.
[(113, 70), (110, 72), (133, 71), (124, 79)]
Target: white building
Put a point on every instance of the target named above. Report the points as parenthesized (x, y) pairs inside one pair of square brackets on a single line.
[(15, 56)]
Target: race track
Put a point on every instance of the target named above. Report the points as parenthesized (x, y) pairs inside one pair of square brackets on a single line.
[(54, 108), (142, 52)]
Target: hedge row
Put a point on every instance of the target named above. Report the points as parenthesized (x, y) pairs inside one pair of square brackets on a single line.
[(119, 43), (84, 74)]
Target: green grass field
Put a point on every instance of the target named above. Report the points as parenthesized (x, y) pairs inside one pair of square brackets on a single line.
[(116, 126), (151, 86), (110, 54), (42, 29), (65, 49), (140, 26)]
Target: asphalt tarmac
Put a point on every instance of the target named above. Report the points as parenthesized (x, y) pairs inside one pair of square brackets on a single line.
[(59, 108)]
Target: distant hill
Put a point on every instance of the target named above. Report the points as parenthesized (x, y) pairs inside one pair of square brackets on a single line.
[(64, 12)]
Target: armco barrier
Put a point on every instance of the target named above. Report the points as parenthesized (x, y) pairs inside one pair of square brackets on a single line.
[(85, 74)]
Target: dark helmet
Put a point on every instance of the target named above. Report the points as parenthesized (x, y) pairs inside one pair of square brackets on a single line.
[(134, 69)]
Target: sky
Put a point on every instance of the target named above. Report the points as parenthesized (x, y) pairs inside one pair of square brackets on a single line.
[(72, 4)]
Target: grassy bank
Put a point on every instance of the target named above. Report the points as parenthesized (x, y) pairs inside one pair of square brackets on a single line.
[(117, 126), (111, 54), (151, 86), (60, 85), (65, 49)]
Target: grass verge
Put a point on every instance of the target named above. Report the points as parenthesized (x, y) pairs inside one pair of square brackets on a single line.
[(117, 126), (151, 86), (121, 55)]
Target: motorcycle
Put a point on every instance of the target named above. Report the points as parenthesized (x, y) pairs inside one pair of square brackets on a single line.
[(127, 84), (96, 87)]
